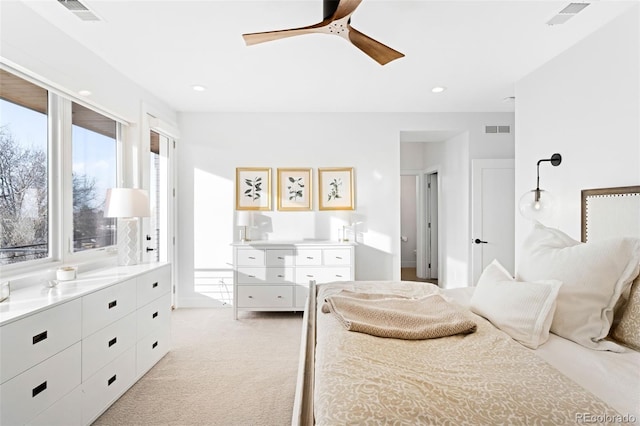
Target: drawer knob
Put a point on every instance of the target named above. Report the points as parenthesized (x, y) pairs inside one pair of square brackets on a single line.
[(280, 257), (39, 337), (250, 297), (111, 380), (154, 345), (280, 276), (113, 304), (279, 297), (154, 285), (113, 341), (38, 389), (155, 314)]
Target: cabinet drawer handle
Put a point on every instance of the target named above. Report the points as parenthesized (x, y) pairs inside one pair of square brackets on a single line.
[(41, 387), (39, 337), (153, 346), (251, 276), (338, 257), (113, 304), (338, 275), (154, 285), (280, 276), (309, 276), (113, 341), (154, 315), (252, 258), (111, 380), (309, 257)]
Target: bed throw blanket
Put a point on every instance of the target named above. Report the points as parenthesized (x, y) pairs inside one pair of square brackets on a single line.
[(397, 317)]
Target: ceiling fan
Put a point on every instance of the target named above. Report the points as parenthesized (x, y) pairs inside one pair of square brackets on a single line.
[(337, 21)]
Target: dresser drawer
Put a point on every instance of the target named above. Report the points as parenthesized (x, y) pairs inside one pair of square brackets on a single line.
[(151, 348), (337, 257), (30, 340), (256, 296), (103, 307), (107, 385), (280, 257), (27, 395), (250, 257), (107, 344), (153, 284), (155, 315), (66, 412), (309, 257), (322, 275), (300, 297), (265, 275)]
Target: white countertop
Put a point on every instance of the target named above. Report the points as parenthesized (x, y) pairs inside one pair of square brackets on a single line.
[(295, 243), (32, 299)]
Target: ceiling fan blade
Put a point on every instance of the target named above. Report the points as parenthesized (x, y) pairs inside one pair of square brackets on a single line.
[(255, 38), (345, 8), (379, 52)]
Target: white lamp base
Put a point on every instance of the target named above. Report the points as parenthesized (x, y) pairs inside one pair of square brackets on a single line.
[(128, 242)]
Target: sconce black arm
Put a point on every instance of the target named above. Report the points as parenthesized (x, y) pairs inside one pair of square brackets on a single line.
[(555, 160)]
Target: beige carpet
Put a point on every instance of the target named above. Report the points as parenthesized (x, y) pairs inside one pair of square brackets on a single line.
[(219, 372)]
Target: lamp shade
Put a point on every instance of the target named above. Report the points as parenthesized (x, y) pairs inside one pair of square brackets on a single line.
[(244, 218), (127, 202), (536, 205)]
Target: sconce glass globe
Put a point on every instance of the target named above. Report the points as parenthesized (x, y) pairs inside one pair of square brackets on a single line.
[(536, 205)]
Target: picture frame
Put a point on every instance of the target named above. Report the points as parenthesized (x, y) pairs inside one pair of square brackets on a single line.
[(295, 190), (335, 188), (253, 188)]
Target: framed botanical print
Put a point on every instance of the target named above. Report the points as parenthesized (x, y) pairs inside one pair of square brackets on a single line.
[(335, 188), (253, 188), (294, 189)]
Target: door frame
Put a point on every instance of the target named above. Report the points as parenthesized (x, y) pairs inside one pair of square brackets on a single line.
[(421, 219)]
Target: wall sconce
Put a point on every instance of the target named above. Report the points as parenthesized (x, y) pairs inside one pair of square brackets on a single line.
[(128, 204), (244, 219), (538, 203)]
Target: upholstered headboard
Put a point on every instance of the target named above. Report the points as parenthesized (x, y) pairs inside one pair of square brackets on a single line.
[(610, 212)]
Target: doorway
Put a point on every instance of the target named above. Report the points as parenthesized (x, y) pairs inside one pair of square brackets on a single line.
[(419, 226)]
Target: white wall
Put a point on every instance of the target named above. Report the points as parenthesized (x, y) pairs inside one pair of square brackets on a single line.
[(408, 220), (213, 144), (585, 105)]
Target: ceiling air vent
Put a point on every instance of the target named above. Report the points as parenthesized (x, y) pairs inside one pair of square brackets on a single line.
[(497, 129), (79, 9), (567, 13)]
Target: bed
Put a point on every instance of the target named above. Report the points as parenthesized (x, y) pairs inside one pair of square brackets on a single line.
[(557, 344)]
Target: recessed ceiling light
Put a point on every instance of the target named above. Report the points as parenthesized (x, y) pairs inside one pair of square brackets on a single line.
[(198, 88), (84, 93), (438, 89)]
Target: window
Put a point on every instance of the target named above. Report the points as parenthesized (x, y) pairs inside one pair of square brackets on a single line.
[(94, 154), (24, 206), (54, 174)]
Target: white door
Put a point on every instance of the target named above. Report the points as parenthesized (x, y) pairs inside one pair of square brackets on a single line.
[(492, 214)]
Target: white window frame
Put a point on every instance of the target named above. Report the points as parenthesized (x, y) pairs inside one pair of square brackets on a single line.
[(59, 180)]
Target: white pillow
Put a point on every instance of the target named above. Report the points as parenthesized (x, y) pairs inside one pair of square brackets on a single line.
[(523, 310), (594, 275)]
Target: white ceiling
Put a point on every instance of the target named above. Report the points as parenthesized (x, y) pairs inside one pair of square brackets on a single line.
[(477, 49)]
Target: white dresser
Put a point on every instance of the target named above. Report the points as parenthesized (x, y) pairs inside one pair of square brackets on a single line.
[(275, 275), (68, 353)]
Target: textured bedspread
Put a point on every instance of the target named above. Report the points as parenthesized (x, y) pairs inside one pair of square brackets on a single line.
[(483, 378), (397, 316)]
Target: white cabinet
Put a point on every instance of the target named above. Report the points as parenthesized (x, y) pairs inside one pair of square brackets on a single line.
[(274, 276), (66, 359)]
